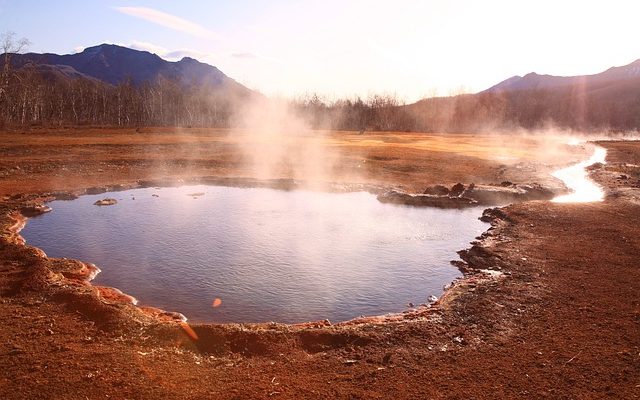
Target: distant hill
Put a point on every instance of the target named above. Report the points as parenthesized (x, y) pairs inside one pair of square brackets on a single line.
[(609, 100), (109, 85), (114, 64), (534, 81)]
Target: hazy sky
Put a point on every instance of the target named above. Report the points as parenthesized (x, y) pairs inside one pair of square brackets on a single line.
[(410, 48)]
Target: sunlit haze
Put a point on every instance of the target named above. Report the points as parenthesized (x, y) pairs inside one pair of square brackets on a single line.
[(335, 48)]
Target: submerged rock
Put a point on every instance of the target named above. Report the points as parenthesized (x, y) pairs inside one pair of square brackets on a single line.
[(456, 190), (33, 211), (461, 196), (105, 202), (502, 194), (492, 194), (425, 200), (437, 190), (64, 196)]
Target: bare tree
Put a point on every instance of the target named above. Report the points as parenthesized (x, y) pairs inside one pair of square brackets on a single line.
[(8, 45)]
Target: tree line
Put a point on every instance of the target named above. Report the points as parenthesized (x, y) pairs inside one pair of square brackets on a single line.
[(614, 107), (40, 95), (43, 95), (33, 97)]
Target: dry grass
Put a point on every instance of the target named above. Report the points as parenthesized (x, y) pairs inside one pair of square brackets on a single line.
[(63, 159)]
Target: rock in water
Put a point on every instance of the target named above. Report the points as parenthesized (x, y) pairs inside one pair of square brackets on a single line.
[(425, 200), (105, 202), (456, 190), (33, 211), (437, 190)]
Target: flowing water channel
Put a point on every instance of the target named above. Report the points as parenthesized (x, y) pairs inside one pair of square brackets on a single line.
[(576, 179), (269, 255)]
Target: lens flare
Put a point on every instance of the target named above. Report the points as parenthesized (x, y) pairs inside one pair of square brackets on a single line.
[(216, 302), (189, 330)]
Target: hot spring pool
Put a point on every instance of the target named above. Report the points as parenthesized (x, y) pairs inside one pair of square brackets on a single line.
[(269, 255)]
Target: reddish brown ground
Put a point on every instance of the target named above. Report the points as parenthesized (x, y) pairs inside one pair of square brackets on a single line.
[(73, 159), (563, 321)]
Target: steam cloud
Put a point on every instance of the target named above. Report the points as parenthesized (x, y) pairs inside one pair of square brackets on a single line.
[(277, 142)]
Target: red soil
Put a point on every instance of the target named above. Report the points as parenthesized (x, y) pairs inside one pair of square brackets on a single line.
[(560, 319)]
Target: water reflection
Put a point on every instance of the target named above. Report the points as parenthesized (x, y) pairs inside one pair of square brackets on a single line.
[(267, 254), (576, 178)]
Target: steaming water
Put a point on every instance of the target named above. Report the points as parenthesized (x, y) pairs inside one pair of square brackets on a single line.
[(269, 255), (576, 178)]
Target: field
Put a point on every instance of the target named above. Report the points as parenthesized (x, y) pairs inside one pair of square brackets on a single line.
[(559, 320), (73, 159)]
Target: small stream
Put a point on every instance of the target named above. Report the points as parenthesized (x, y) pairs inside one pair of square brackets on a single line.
[(576, 179)]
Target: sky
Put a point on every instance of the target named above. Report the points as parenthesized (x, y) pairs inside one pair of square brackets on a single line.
[(345, 48)]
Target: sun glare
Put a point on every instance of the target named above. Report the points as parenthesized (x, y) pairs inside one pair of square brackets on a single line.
[(575, 177)]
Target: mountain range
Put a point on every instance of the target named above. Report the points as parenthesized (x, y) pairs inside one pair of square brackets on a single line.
[(114, 64), (533, 81), (202, 95), (609, 100)]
